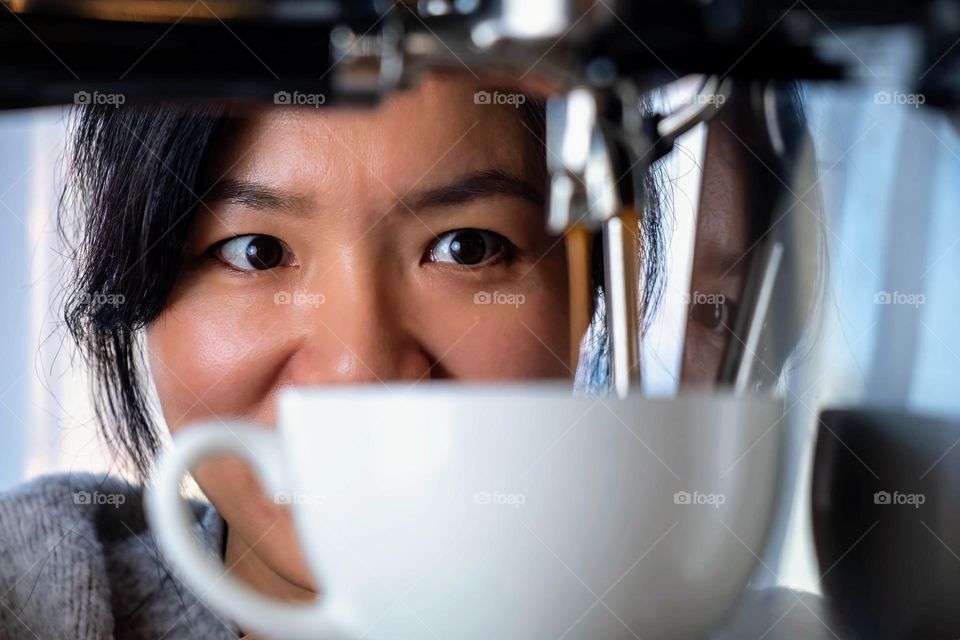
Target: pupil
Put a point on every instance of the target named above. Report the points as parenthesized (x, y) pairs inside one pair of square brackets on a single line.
[(709, 315), (716, 317), (264, 253), (468, 248)]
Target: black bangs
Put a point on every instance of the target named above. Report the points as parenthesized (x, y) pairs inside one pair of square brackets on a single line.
[(131, 191)]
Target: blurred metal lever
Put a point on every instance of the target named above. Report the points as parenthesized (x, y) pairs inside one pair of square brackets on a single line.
[(707, 102), (584, 198)]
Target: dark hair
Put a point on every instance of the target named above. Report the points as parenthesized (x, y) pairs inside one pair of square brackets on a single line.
[(134, 176)]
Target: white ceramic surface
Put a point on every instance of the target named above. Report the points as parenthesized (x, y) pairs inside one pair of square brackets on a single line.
[(521, 512)]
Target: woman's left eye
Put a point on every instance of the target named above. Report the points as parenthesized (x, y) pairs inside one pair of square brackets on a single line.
[(716, 315), (253, 252), (469, 247)]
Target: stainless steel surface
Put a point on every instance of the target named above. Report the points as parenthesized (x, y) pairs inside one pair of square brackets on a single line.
[(621, 294), (707, 102)]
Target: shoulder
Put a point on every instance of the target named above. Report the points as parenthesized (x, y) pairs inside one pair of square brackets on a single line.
[(44, 511), (109, 507), (72, 543), (52, 559), (68, 493)]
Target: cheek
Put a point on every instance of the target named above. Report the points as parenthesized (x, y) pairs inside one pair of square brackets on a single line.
[(702, 355), (221, 360), (523, 333), (212, 359)]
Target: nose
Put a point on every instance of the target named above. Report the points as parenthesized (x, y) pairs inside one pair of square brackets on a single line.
[(352, 329)]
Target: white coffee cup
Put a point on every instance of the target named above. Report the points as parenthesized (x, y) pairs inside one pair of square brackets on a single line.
[(479, 512)]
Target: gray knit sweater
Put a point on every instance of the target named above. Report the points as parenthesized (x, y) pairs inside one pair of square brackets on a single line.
[(77, 561)]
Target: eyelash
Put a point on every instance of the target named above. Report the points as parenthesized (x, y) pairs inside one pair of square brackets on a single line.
[(215, 252), (507, 251), (706, 315)]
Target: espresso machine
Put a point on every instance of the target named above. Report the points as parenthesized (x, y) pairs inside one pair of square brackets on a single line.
[(884, 568)]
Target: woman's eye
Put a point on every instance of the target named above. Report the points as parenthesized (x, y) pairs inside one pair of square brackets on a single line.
[(715, 314), (253, 253), (468, 247)]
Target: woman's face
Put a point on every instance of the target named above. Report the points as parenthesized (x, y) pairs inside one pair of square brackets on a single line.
[(404, 243), (721, 255)]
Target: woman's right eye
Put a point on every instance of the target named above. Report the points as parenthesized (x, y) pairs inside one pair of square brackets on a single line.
[(253, 253), (715, 315)]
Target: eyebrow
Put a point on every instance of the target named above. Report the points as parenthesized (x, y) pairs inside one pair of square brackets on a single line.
[(464, 189), (256, 196), (476, 186)]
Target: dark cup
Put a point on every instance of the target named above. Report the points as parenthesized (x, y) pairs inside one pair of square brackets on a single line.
[(886, 521)]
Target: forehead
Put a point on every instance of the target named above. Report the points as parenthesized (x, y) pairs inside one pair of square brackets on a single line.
[(426, 134)]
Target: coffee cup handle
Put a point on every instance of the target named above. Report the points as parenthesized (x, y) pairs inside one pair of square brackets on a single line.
[(172, 524)]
